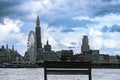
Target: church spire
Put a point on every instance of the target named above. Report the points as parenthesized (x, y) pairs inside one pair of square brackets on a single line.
[(13, 47), (37, 21), (47, 42), (38, 34), (7, 46)]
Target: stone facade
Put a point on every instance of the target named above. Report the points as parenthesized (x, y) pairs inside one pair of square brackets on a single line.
[(9, 55)]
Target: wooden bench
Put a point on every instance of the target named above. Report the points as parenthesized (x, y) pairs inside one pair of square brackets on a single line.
[(62, 67)]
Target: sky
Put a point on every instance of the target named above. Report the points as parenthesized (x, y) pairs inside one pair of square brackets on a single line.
[(63, 23)]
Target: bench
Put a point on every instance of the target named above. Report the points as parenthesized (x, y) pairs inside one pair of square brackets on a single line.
[(67, 67)]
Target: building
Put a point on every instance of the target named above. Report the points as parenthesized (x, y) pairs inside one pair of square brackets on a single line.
[(113, 59), (7, 56), (35, 52), (103, 58), (85, 48), (65, 55), (47, 47), (94, 55), (87, 54), (81, 57)]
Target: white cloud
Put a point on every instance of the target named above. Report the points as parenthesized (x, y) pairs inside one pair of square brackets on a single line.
[(105, 42), (46, 35), (95, 33), (96, 43), (55, 9), (97, 39), (10, 32), (110, 43), (78, 10), (108, 40), (109, 19), (59, 40)]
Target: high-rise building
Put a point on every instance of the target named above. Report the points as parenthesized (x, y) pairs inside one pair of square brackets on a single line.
[(85, 45)]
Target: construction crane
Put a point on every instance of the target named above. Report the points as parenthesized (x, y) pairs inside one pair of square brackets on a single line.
[(70, 47)]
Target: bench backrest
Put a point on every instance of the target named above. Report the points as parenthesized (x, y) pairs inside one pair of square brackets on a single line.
[(67, 67), (66, 64)]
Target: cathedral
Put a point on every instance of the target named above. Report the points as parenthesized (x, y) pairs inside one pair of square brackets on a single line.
[(35, 52)]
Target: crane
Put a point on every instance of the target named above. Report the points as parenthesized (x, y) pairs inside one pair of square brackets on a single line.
[(70, 47)]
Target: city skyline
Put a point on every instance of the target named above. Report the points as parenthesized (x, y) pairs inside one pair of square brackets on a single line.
[(63, 23)]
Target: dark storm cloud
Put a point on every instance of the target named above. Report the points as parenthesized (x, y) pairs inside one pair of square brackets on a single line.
[(67, 30), (9, 3), (89, 8), (108, 9), (11, 8), (61, 14), (96, 8), (113, 28)]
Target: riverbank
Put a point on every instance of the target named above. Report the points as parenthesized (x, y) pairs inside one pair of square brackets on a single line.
[(93, 65)]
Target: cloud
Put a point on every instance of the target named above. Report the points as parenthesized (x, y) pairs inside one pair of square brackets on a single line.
[(67, 22), (59, 40), (105, 29), (10, 8), (9, 3), (10, 33), (113, 28), (107, 42), (107, 7), (57, 8), (59, 11), (59, 18), (103, 41), (67, 30)]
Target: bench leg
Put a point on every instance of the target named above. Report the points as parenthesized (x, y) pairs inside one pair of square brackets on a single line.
[(90, 76), (45, 74)]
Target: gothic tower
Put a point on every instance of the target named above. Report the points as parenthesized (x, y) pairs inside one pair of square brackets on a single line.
[(85, 45), (38, 34), (47, 47)]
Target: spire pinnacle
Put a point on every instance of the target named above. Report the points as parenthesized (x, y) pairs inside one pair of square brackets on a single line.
[(47, 42), (7, 46), (37, 21), (13, 47)]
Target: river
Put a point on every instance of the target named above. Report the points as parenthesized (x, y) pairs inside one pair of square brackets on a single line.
[(38, 74)]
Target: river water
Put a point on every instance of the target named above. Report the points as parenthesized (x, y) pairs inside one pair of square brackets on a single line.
[(38, 74)]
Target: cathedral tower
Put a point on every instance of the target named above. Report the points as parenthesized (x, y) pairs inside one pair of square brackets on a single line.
[(38, 34)]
